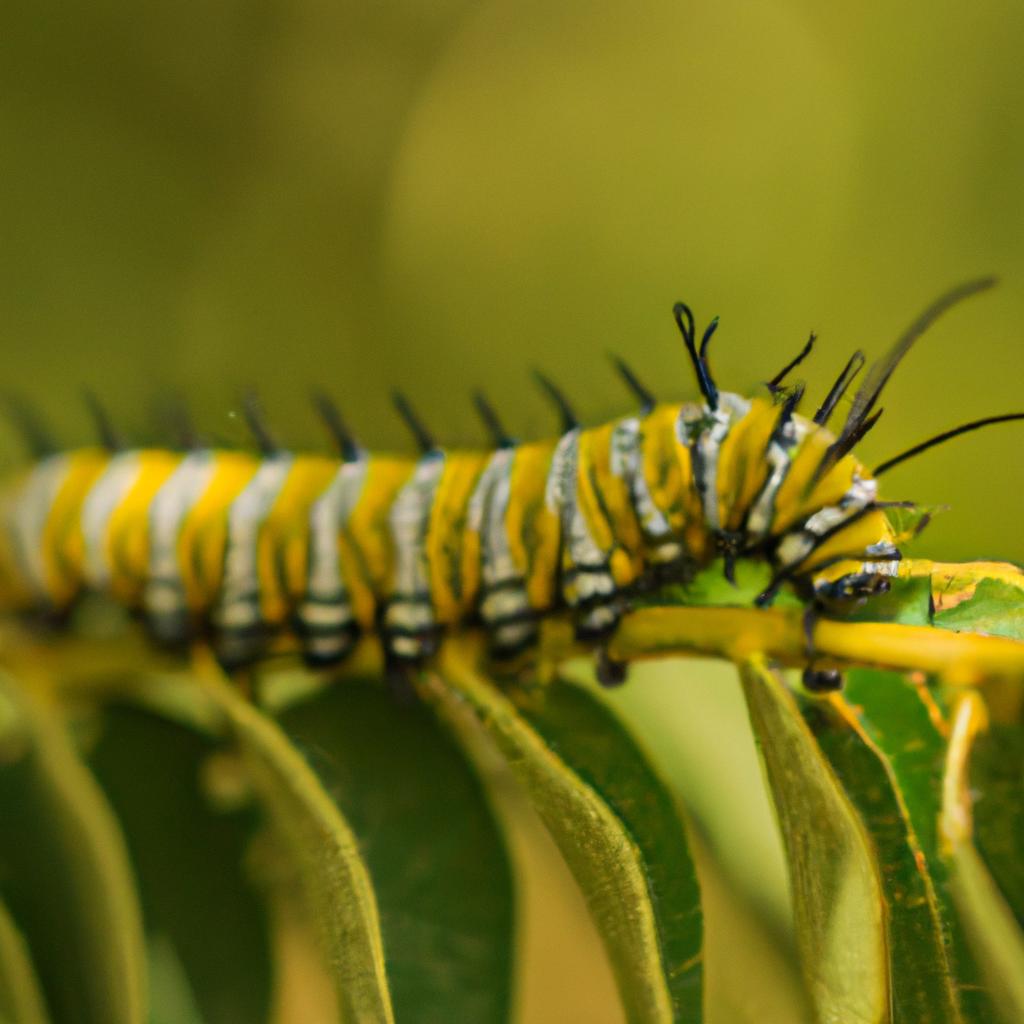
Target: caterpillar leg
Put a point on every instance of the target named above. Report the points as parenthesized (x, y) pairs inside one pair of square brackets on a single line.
[(817, 680), (842, 595), (610, 673)]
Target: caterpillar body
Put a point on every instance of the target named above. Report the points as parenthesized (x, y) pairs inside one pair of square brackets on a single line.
[(245, 548)]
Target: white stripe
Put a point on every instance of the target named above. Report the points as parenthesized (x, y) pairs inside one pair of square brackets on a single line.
[(104, 497), (580, 547), (327, 517), (703, 430), (28, 515), (486, 515), (762, 512), (797, 545), (409, 520), (246, 516), (627, 463), (176, 497)]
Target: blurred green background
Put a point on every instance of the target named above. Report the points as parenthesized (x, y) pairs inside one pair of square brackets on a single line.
[(201, 197)]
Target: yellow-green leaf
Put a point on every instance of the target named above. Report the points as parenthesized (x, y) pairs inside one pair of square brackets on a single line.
[(837, 895), (189, 839), (599, 850), (21, 1001), (66, 875), (922, 977), (585, 733), (992, 926), (888, 743), (317, 838), (435, 852)]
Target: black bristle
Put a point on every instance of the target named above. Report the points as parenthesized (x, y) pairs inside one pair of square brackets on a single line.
[(843, 381), (554, 393), (499, 436), (685, 322), (29, 424), (422, 436), (775, 384), (108, 436), (256, 421), (644, 397), (348, 447), (946, 435)]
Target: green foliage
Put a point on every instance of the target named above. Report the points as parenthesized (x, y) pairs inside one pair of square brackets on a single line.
[(432, 847), (341, 851)]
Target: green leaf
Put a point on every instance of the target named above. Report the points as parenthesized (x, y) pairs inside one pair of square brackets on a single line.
[(21, 1001), (903, 729), (711, 588), (200, 905), (433, 848), (991, 924), (995, 607), (599, 850), (997, 782), (585, 733), (837, 890), (907, 602), (320, 843), (66, 876), (921, 973)]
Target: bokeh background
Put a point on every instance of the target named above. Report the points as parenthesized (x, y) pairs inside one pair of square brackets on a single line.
[(202, 196)]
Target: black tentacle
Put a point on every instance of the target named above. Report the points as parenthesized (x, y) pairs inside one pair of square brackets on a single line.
[(558, 399), (499, 436), (348, 447), (108, 436), (684, 321), (424, 439), (256, 421), (643, 395), (26, 419), (775, 384)]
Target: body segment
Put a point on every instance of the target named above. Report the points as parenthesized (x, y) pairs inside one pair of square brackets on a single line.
[(245, 548)]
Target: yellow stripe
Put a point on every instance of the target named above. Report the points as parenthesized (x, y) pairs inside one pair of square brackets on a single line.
[(63, 545), (283, 544), (16, 591), (790, 504), (742, 466), (126, 536), (367, 550), (852, 540), (203, 534), (586, 496), (617, 518), (453, 554), (669, 473), (533, 530)]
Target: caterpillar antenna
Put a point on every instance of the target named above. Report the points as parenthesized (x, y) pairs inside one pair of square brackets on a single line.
[(684, 321), (836, 392), (775, 384), (856, 425), (946, 435)]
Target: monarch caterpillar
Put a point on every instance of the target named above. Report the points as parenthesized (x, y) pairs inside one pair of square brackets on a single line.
[(245, 548)]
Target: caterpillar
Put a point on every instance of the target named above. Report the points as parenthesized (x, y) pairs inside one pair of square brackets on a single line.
[(243, 549)]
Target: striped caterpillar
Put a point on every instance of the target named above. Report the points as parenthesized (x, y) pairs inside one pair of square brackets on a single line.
[(244, 549)]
